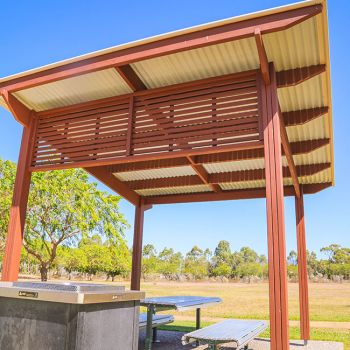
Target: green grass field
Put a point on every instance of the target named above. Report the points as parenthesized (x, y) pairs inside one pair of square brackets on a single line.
[(328, 301)]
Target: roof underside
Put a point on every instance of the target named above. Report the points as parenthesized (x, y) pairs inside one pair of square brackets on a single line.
[(302, 45)]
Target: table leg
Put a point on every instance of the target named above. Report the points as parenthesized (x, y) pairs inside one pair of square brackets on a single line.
[(198, 322), (198, 318), (149, 331), (155, 333)]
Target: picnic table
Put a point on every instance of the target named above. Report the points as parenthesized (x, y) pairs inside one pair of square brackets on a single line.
[(179, 303)]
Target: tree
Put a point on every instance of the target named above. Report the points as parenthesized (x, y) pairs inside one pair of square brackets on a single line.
[(63, 207), (248, 255), (196, 263), (149, 259), (117, 261), (223, 253), (292, 258), (71, 259), (7, 171), (95, 256), (331, 251), (169, 262)]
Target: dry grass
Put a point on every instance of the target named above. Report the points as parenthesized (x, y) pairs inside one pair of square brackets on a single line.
[(328, 301)]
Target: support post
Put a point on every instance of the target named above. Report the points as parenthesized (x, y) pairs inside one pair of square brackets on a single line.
[(137, 246), (11, 262), (278, 293), (302, 268)]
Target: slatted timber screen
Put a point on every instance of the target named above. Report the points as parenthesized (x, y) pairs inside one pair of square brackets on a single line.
[(83, 135), (217, 112)]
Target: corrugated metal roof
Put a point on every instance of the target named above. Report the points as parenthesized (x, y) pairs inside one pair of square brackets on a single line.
[(315, 129), (155, 38), (302, 45), (225, 167), (83, 88), (3, 103), (309, 94), (174, 190), (321, 155), (155, 173), (294, 47), (210, 61), (321, 177), (242, 185)]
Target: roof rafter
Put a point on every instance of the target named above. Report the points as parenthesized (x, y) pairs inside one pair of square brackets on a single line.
[(20, 112), (304, 116), (131, 78), (289, 155), (297, 76), (264, 63), (113, 183), (221, 178), (301, 147), (230, 195), (203, 175), (181, 42)]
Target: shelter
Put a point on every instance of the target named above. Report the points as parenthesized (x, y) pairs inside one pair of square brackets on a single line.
[(235, 109)]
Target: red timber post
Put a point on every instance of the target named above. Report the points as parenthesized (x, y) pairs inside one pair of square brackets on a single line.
[(278, 288), (137, 245), (11, 263), (302, 268)]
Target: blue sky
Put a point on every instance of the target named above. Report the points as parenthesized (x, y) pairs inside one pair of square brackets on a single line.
[(39, 32)]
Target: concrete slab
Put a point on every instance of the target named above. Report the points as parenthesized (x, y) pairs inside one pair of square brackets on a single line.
[(172, 341)]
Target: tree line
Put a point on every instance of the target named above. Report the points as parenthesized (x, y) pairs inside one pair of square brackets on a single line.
[(74, 228)]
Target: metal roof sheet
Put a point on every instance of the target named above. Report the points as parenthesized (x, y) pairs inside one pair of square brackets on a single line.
[(321, 155), (83, 88), (315, 129), (3, 103), (225, 167), (297, 46), (309, 94), (174, 190), (305, 44), (155, 173), (205, 62), (155, 38)]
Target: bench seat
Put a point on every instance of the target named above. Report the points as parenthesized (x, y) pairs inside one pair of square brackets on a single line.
[(239, 332), (158, 320)]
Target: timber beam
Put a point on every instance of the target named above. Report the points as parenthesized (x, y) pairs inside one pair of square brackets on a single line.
[(21, 113), (201, 38), (221, 178), (303, 116), (131, 78), (297, 76), (301, 147), (203, 175), (264, 63), (255, 193), (289, 155), (113, 183)]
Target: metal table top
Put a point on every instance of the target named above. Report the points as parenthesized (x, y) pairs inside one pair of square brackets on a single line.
[(180, 302)]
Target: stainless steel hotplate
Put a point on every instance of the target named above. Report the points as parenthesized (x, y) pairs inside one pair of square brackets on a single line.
[(69, 292)]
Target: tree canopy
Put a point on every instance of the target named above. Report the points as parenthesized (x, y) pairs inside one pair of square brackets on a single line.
[(64, 207)]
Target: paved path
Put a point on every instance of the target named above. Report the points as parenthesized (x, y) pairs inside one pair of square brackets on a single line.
[(172, 341)]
